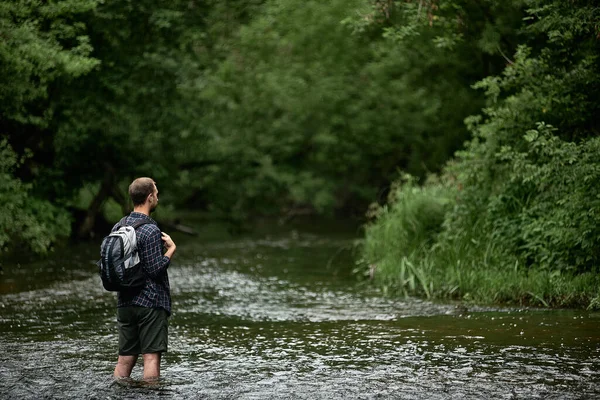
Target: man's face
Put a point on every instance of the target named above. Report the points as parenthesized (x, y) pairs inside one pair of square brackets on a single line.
[(154, 199)]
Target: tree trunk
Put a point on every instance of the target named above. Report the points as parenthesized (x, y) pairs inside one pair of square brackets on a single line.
[(86, 230), (117, 194)]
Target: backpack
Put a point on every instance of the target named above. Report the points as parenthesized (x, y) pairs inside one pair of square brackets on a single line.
[(119, 265)]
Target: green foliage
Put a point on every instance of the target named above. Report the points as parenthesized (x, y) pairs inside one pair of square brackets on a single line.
[(528, 174), (272, 106), (523, 227), (409, 222), (26, 222), (41, 43), (275, 106), (552, 192), (404, 230), (320, 103), (407, 250), (131, 109)]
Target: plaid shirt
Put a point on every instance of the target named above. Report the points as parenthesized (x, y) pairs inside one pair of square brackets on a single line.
[(156, 292)]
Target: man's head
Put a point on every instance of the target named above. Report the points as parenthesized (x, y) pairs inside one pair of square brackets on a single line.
[(143, 191)]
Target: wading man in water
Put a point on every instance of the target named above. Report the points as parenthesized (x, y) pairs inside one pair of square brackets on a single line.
[(142, 315)]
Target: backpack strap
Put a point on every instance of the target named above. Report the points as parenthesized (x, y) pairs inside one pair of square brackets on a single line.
[(139, 223), (136, 224)]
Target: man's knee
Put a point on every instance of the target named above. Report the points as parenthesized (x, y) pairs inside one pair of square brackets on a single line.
[(151, 365), (127, 360), (151, 357), (124, 366)]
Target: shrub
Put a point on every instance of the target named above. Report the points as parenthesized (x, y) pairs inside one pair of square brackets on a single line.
[(24, 220), (405, 228)]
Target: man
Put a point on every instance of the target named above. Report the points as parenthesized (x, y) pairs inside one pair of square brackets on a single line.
[(143, 315)]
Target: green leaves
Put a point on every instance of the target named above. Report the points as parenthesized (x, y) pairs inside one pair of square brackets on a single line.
[(40, 44), (25, 222), (526, 173), (272, 106), (340, 101), (524, 222)]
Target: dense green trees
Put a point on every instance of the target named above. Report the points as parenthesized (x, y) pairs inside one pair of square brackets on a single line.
[(95, 93), (25, 221), (42, 46), (320, 104), (273, 106), (529, 173), (91, 91), (521, 219)]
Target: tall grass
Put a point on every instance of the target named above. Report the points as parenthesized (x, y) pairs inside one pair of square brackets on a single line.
[(408, 251)]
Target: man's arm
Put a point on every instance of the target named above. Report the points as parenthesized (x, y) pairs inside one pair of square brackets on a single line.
[(169, 245), (153, 261)]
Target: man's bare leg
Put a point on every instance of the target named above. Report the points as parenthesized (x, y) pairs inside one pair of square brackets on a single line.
[(124, 366), (151, 366)]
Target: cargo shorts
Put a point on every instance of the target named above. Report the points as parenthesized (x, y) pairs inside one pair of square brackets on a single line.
[(142, 330)]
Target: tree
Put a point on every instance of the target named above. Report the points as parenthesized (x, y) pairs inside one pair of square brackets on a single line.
[(319, 104), (527, 174), (25, 221), (41, 44)]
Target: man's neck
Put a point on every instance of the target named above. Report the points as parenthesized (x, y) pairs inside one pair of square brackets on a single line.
[(142, 210)]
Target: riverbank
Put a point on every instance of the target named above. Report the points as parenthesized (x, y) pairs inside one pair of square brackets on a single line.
[(410, 250), (493, 284)]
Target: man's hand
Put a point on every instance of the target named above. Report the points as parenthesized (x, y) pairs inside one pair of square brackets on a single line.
[(168, 241), (169, 244)]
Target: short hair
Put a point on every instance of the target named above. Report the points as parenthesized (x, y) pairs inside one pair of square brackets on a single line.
[(140, 189)]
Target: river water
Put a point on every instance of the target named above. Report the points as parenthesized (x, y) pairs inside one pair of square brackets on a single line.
[(278, 315)]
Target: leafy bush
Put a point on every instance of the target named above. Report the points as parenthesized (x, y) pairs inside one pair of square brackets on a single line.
[(525, 224), (32, 223), (405, 229)]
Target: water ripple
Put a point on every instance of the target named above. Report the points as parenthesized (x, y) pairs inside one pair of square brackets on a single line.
[(273, 319)]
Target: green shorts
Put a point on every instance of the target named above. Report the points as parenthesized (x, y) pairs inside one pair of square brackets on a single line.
[(142, 330)]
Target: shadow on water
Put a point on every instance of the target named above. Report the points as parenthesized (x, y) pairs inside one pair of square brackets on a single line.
[(279, 315)]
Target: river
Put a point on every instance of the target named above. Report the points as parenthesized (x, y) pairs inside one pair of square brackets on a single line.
[(278, 315)]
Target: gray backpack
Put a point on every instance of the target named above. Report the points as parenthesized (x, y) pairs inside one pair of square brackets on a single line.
[(120, 267)]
